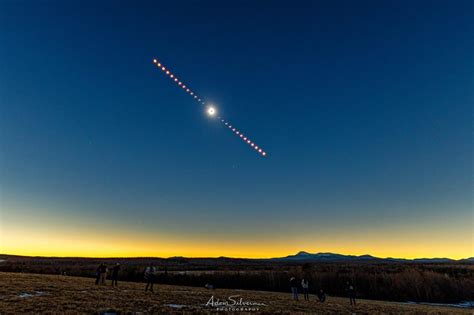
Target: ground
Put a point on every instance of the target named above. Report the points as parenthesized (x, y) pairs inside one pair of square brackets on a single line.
[(33, 293)]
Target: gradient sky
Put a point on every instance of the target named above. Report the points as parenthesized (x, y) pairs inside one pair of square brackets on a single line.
[(364, 108)]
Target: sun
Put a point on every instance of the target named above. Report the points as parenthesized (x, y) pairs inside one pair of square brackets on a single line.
[(211, 111)]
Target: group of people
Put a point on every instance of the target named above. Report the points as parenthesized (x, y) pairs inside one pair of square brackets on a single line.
[(102, 271), (305, 286), (320, 294), (150, 273), (101, 274)]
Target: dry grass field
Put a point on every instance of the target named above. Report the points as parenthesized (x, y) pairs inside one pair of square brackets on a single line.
[(32, 293)]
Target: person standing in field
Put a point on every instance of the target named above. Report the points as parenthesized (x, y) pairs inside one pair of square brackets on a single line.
[(102, 274), (97, 275), (294, 288), (305, 286), (115, 271), (351, 293), (150, 273)]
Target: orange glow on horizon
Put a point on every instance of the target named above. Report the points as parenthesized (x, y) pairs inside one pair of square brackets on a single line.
[(62, 244), (79, 235)]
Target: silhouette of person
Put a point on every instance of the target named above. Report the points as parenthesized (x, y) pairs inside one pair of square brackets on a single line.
[(305, 286), (97, 274), (115, 271), (294, 288), (321, 296), (150, 274), (351, 293), (102, 273)]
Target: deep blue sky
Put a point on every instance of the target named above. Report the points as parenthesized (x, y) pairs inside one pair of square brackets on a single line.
[(365, 110)]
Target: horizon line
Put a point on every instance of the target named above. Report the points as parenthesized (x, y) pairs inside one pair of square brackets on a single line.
[(217, 257)]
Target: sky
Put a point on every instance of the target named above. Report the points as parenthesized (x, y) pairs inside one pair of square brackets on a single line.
[(364, 109)]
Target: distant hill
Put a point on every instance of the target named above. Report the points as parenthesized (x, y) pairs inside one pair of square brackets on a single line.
[(305, 256), (301, 256), (334, 257)]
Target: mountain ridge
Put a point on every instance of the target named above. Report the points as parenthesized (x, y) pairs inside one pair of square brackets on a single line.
[(301, 256), (328, 256)]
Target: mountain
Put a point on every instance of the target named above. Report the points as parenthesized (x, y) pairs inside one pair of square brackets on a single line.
[(305, 256), (301, 256), (333, 257)]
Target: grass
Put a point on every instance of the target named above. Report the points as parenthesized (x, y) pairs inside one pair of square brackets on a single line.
[(66, 294)]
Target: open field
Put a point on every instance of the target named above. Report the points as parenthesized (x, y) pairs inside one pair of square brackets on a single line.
[(33, 293), (433, 282)]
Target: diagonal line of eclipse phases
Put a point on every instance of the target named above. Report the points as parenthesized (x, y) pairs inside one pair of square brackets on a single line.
[(210, 109)]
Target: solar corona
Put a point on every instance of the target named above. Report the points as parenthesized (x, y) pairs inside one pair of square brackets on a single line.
[(210, 110)]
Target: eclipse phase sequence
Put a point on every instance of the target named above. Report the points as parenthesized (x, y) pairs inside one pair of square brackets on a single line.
[(210, 109)]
